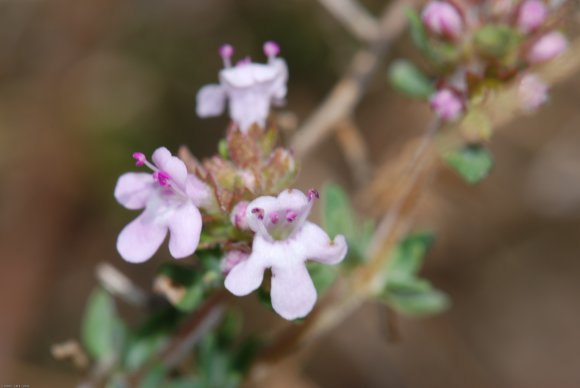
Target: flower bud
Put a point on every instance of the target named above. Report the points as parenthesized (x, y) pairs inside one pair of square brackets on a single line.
[(532, 92), (442, 19), (446, 104), (548, 47), (531, 15), (238, 215), (231, 259)]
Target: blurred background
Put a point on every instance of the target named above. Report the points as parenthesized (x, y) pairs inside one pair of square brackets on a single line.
[(85, 84)]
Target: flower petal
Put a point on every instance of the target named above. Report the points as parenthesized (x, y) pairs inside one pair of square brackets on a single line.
[(140, 239), (317, 246), (247, 75), (199, 192), (293, 293), (185, 229), (247, 276), (279, 88), (171, 165), (211, 101), (133, 189)]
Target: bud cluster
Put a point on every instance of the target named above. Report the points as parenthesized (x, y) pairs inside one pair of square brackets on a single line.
[(476, 46)]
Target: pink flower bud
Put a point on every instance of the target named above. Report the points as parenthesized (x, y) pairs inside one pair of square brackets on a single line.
[(442, 19), (548, 47), (231, 259), (533, 92), (446, 104), (238, 215), (531, 15)]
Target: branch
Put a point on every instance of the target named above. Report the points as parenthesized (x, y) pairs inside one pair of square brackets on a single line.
[(421, 164), (354, 17), (347, 92)]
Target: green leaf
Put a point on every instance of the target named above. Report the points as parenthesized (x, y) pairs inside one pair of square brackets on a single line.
[(101, 328), (418, 33), (407, 257), (473, 163), (496, 40), (419, 303), (409, 80), (337, 214), (323, 276), (142, 349)]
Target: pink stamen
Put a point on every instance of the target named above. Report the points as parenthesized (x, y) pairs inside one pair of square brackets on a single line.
[(312, 193), (258, 212), (226, 52), (162, 177), (291, 215), (274, 218), (139, 158), (271, 49)]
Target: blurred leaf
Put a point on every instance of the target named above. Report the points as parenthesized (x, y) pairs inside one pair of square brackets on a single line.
[(419, 303), (409, 80), (496, 40), (323, 276), (404, 291), (102, 330), (473, 163), (223, 149), (338, 218), (142, 349), (337, 214), (408, 256), (418, 33), (154, 377)]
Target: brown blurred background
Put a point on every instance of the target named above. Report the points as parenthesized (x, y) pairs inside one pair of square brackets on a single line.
[(84, 84)]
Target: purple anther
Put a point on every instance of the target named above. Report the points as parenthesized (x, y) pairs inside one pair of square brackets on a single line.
[(312, 193), (226, 52), (162, 177), (258, 212), (271, 49), (291, 215), (274, 218), (139, 158)]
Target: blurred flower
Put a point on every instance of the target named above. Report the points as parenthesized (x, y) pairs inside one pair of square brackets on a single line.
[(250, 87), (284, 241), (171, 198), (446, 104), (532, 91), (531, 15), (231, 259), (548, 47), (442, 19)]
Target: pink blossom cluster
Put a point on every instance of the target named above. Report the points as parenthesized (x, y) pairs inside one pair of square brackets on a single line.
[(181, 200), (504, 38)]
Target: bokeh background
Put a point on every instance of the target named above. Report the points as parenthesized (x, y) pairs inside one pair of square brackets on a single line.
[(84, 84)]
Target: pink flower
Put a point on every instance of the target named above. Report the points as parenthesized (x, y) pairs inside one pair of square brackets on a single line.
[(531, 15), (548, 47), (250, 88), (171, 198), (533, 92), (442, 19), (446, 104), (231, 259), (284, 241)]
